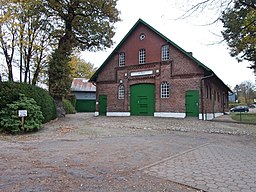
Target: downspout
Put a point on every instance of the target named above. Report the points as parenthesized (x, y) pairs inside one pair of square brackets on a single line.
[(201, 90)]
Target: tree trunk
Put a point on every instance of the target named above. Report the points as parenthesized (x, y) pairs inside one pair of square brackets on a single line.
[(21, 50), (59, 108), (8, 60)]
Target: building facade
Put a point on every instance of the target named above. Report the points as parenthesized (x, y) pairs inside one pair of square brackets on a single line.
[(148, 74)]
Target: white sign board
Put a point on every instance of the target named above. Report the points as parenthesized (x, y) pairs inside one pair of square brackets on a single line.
[(140, 73), (23, 113)]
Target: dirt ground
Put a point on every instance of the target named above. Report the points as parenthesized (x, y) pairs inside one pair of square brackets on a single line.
[(86, 153)]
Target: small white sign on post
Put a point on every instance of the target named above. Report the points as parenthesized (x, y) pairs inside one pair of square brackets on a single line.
[(23, 113)]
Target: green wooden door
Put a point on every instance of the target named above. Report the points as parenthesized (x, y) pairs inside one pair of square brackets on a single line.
[(192, 99), (142, 100), (102, 105), (85, 105)]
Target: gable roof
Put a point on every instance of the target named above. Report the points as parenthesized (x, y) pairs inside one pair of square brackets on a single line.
[(140, 21)]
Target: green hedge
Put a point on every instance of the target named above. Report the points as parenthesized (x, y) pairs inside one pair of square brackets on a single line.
[(69, 108), (9, 92), (72, 99)]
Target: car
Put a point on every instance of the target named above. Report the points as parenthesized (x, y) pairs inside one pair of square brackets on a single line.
[(252, 105), (240, 109)]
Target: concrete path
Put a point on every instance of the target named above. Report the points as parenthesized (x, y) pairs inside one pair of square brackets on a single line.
[(211, 167)]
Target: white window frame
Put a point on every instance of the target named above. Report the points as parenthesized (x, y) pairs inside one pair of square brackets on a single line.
[(165, 53), (142, 56), (121, 91), (121, 59), (165, 90)]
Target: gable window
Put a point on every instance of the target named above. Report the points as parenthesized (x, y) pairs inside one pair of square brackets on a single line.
[(121, 59), (165, 90), (121, 91), (165, 53), (142, 56)]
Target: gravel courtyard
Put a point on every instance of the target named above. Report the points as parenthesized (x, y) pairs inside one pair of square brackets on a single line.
[(86, 153)]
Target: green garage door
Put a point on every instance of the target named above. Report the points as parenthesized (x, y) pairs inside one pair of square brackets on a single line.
[(192, 99), (85, 105), (142, 101)]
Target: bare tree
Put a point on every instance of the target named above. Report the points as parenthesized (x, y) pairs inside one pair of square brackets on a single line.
[(246, 90), (196, 7)]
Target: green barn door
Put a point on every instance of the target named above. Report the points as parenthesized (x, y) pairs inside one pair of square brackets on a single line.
[(85, 105), (142, 101), (102, 105), (192, 99)]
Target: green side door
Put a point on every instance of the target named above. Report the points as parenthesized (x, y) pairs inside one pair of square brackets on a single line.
[(102, 105), (142, 100), (192, 100)]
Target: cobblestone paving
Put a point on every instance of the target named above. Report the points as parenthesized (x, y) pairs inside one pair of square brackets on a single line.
[(211, 167)]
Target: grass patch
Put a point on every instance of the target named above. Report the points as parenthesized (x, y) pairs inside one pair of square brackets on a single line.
[(244, 117)]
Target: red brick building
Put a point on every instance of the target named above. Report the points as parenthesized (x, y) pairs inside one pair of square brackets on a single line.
[(148, 74)]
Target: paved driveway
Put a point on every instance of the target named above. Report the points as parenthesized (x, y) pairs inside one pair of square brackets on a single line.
[(86, 153), (212, 167)]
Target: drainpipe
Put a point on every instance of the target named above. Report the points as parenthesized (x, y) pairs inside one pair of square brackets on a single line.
[(201, 90)]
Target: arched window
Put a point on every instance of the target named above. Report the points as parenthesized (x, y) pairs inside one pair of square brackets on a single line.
[(165, 90), (121, 91)]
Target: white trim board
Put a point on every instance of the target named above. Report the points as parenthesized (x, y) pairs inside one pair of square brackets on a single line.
[(118, 114), (169, 114)]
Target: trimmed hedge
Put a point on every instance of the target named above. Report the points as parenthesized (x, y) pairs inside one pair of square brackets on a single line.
[(10, 91)]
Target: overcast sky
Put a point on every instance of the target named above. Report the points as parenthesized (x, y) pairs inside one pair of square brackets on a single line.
[(201, 40)]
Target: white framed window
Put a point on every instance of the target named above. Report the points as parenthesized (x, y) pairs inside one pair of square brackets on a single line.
[(142, 56), (121, 59), (121, 91), (165, 90), (165, 53)]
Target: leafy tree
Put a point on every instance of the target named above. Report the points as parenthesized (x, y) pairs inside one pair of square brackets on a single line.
[(25, 38), (83, 24), (35, 40), (239, 32), (246, 91), (80, 68)]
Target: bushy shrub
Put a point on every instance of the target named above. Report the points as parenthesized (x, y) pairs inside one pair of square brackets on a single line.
[(9, 92), (72, 99), (10, 121), (69, 108)]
